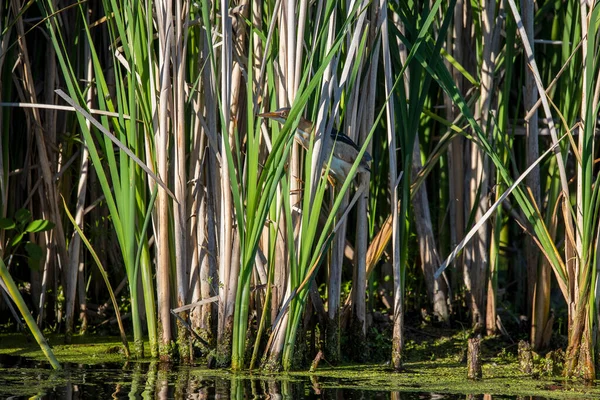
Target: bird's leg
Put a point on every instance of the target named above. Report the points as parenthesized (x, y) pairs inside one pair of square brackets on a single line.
[(332, 197), (331, 181), (298, 191)]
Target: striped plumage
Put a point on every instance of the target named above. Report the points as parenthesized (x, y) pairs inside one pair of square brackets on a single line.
[(345, 151)]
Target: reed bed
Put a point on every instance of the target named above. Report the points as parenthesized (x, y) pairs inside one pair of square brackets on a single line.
[(133, 128)]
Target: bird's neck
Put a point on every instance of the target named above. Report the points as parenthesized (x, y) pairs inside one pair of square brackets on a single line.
[(305, 126)]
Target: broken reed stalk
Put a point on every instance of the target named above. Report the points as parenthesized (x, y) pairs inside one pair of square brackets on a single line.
[(474, 359), (525, 357)]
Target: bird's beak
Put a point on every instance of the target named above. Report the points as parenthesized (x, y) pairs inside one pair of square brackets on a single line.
[(272, 114)]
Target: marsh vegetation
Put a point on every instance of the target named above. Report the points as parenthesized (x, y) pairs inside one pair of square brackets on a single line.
[(141, 193)]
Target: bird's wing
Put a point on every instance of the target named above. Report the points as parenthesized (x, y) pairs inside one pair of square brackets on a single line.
[(343, 139)]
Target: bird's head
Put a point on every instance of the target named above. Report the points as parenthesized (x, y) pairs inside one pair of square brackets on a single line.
[(281, 115)]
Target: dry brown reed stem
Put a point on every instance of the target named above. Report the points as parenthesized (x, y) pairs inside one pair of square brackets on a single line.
[(180, 178), (398, 318), (165, 32)]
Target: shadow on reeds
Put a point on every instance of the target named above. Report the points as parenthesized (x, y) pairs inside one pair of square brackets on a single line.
[(23, 378)]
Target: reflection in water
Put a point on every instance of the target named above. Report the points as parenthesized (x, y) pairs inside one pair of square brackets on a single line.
[(273, 389), (497, 397), (23, 379), (162, 382)]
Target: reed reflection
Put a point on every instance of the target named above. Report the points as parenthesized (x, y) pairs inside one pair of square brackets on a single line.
[(155, 380), (162, 381)]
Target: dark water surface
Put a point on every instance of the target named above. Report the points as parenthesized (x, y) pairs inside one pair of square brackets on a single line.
[(21, 378)]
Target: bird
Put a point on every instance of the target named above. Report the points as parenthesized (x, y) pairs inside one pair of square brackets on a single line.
[(345, 151)]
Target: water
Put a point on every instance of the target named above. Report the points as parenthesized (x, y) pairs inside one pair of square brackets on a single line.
[(21, 378)]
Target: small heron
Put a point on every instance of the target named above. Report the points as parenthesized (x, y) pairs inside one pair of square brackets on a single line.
[(345, 151)]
